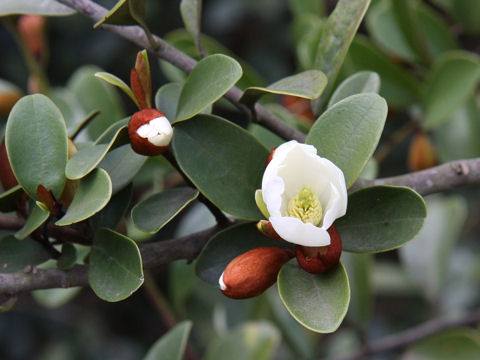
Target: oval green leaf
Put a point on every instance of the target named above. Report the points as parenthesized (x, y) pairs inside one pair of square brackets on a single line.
[(110, 215), (89, 156), (248, 341), (115, 270), (191, 11), (171, 346), (166, 99), (93, 193), (458, 344), (211, 78), (122, 164), (73, 113), (44, 7), (36, 218), (381, 218), (36, 140), (157, 210), (455, 76), (94, 94), (227, 245), (224, 161), (348, 133), (308, 84), (317, 301), (16, 254), (68, 257), (360, 82)]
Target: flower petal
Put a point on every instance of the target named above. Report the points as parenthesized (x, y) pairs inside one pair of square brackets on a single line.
[(295, 231)]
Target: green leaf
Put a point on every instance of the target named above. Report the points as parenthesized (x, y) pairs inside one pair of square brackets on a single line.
[(338, 32), (458, 344), (171, 346), (453, 80), (308, 84), (9, 199), (72, 111), (360, 82), (360, 270), (166, 99), (110, 215), (54, 298), (317, 301), (122, 164), (125, 12), (465, 12), (381, 218), (116, 81), (306, 7), (93, 193), (115, 270), (36, 140), (461, 129), (248, 341), (409, 30), (224, 161), (89, 156), (399, 87), (44, 7), (16, 254), (68, 257), (348, 133), (157, 210), (36, 218), (191, 11), (227, 245), (211, 78), (94, 94), (427, 258)]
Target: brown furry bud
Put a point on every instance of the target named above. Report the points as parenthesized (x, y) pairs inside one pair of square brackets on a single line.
[(422, 154), (150, 132), (251, 273), (32, 31)]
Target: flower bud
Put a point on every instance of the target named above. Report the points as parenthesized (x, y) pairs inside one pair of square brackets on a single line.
[(298, 106), (266, 228), (7, 100), (319, 259), (141, 80), (251, 273), (31, 29), (7, 177), (421, 154), (150, 132)]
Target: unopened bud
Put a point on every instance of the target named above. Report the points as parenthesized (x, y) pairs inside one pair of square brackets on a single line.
[(7, 100), (298, 106), (317, 260), (7, 177), (32, 29), (266, 228), (150, 132), (251, 273), (422, 154), (141, 81)]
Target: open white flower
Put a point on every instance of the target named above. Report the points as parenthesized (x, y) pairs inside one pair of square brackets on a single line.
[(303, 194)]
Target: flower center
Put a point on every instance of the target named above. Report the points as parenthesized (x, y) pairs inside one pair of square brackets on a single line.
[(306, 206)]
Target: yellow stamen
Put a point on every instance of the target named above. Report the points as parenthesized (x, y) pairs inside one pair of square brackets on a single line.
[(306, 206)]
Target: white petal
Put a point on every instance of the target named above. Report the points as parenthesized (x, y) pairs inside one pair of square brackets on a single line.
[(221, 283), (158, 131), (295, 231)]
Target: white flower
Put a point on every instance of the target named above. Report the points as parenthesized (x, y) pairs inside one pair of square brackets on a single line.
[(158, 131), (303, 194)]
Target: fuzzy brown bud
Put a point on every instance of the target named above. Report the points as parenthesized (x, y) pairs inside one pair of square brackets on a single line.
[(317, 260), (150, 132), (251, 273), (32, 31), (422, 154)]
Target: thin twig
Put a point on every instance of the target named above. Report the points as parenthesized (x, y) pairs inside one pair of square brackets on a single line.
[(412, 335)]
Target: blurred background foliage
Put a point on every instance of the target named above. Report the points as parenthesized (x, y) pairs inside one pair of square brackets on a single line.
[(422, 52)]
